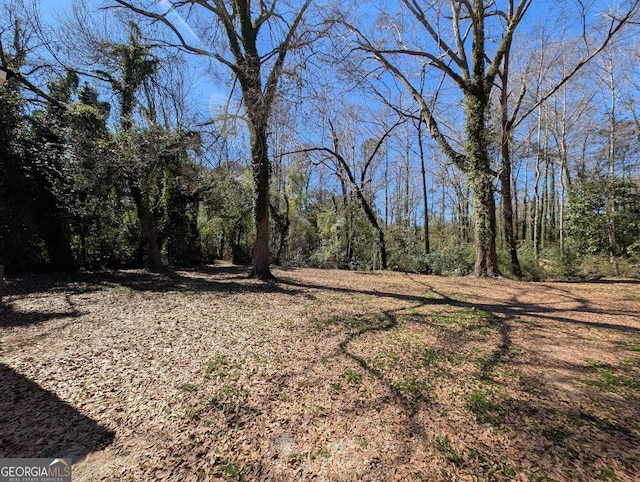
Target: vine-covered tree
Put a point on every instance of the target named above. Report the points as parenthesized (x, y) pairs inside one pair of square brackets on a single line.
[(131, 65), (466, 58), (253, 41)]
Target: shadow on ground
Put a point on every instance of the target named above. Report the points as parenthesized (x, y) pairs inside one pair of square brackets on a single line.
[(34, 422), (550, 428), (224, 278), (509, 310), (590, 420)]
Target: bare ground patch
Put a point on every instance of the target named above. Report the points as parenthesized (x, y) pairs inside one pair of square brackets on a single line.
[(323, 375)]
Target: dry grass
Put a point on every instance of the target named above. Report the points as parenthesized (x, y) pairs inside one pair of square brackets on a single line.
[(323, 375)]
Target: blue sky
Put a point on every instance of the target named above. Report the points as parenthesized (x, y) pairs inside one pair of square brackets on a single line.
[(212, 98), (209, 97)]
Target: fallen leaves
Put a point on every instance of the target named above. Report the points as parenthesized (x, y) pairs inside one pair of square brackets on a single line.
[(205, 375)]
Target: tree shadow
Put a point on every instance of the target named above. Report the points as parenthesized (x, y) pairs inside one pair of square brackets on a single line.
[(591, 429), (34, 422), (541, 420), (603, 281), (73, 283), (509, 310), (223, 279), (11, 317)]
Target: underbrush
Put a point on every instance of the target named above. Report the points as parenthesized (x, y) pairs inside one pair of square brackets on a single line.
[(551, 264), (451, 260)]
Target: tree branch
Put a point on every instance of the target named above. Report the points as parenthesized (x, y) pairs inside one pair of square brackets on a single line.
[(183, 43), (419, 14), (283, 49), (613, 30), (505, 45), (378, 145), (460, 160)]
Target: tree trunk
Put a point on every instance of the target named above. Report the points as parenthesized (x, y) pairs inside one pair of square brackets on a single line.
[(425, 201), (553, 203), (507, 218), (386, 189), (344, 236), (536, 208), (480, 175), (405, 197), (484, 213), (610, 189), (261, 176), (147, 229), (544, 217), (371, 216), (561, 213), (283, 223), (153, 248), (505, 173)]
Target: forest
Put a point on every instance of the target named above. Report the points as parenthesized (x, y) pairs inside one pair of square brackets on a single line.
[(311, 240), (498, 140)]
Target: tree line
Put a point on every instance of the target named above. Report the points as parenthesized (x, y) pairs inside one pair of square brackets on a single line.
[(447, 137)]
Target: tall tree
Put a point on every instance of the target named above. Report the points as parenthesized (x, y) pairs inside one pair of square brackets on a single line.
[(555, 66), (130, 65), (247, 29), (468, 61), (73, 140), (468, 42), (339, 150), (18, 241), (425, 200), (507, 120)]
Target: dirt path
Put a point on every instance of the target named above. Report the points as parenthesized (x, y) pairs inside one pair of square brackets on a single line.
[(324, 375)]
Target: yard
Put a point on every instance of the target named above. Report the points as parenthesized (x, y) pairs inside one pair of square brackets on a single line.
[(322, 375)]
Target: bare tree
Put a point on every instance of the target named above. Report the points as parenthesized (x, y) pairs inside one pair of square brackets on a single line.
[(507, 120), (354, 173), (242, 29), (465, 58), (423, 176), (469, 43), (609, 80)]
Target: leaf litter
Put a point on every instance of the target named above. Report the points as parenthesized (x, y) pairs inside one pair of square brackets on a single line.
[(322, 375)]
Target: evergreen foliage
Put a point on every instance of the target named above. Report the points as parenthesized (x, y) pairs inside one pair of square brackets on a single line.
[(98, 169)]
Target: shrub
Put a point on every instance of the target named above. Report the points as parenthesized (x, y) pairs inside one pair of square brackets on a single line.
[(451, 260), (405, 249)]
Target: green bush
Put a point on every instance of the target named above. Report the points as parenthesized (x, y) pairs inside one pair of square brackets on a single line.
[(451, 260), (571, 265), (587, 220), (405, 249), (594, 266)]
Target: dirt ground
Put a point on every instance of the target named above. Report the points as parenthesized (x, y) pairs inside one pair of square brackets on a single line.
[(205, 375)]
